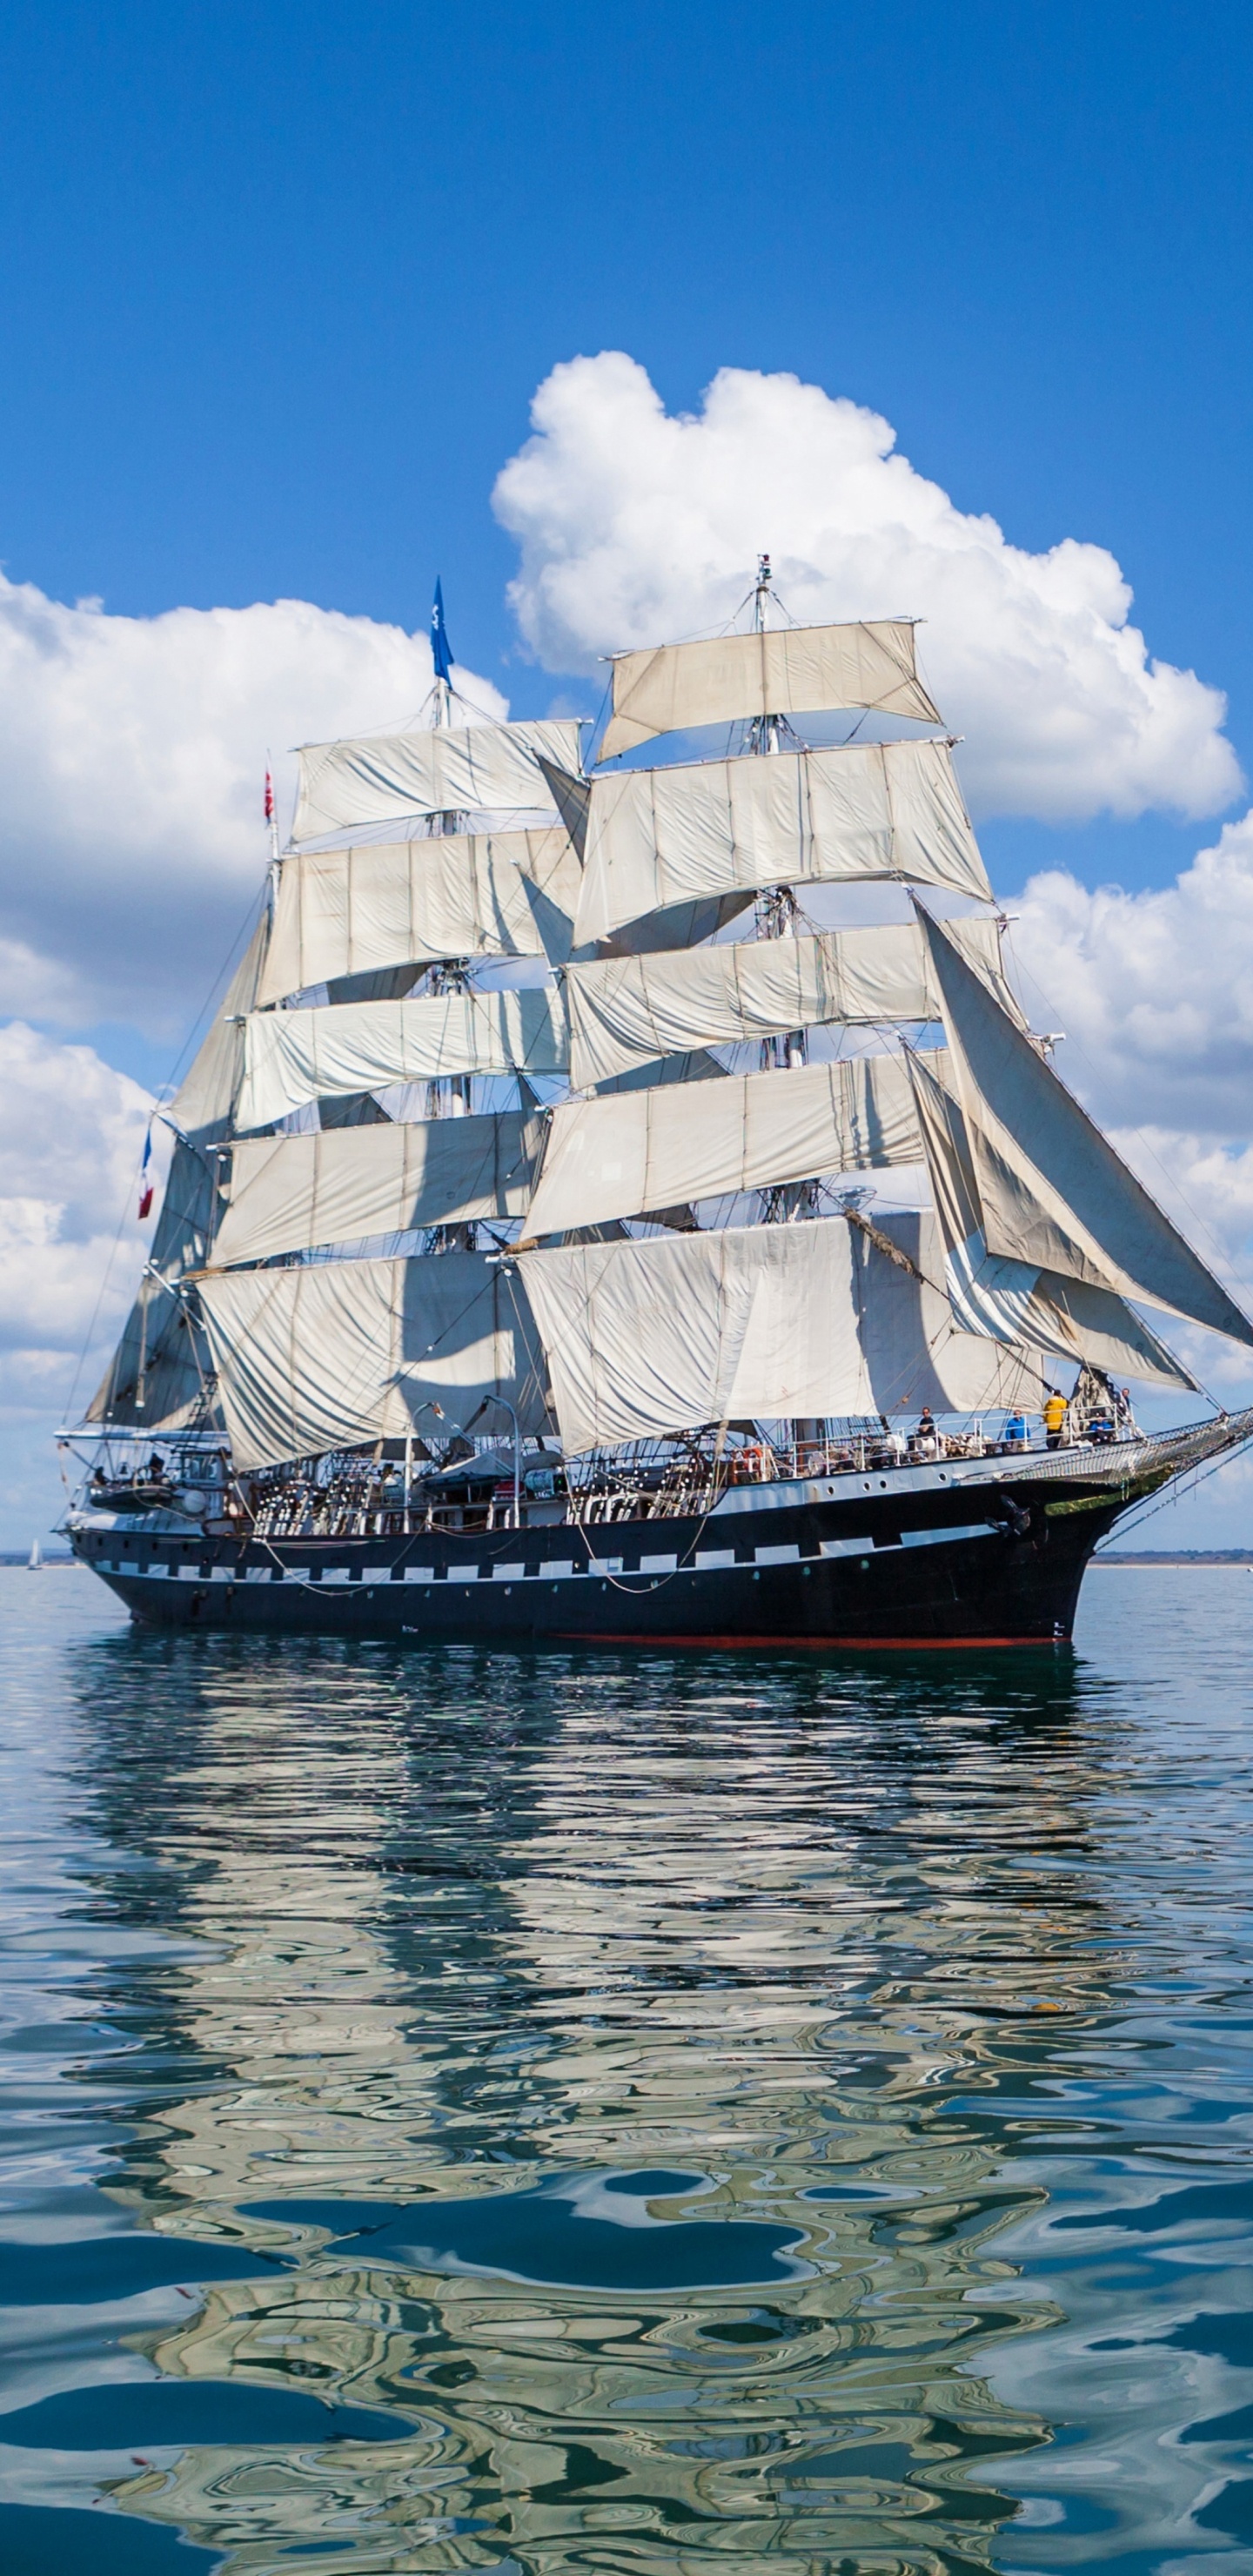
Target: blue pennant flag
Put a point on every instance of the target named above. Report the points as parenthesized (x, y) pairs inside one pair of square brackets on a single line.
[(440, 652)]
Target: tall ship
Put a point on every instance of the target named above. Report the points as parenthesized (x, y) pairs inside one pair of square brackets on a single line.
[(621, 1199)]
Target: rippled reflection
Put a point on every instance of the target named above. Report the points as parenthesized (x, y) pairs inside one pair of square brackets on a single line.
[(610, 2092)]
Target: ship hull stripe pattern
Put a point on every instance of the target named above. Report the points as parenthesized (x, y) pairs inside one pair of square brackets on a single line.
[(871, 1573)]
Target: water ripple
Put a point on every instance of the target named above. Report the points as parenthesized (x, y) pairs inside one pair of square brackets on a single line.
[(538, 2114)]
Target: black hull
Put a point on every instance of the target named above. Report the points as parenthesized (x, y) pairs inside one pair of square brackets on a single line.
[(912, 1563)]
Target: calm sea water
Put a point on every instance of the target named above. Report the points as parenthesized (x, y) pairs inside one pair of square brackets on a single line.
[(658, 2115)]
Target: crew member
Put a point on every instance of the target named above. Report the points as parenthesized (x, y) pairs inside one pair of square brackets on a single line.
[(1055, 1409)]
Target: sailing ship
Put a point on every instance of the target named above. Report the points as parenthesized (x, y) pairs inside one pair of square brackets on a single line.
[(622, 1199)]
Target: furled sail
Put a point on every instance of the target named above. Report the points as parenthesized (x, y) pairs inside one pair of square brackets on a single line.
[(335, 1353), (288, 1193), (1051, 1189), (294, 1056), (1066, 1317), (783, 671), (491, 894), (878, 810), (764, 1321), (638, 1150), (625, 1010), (377, 778)]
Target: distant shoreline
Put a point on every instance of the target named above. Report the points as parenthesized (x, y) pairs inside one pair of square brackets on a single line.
[(1182, 1556)]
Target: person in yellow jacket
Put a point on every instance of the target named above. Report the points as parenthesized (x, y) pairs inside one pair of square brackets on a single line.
[(1055, 1409)]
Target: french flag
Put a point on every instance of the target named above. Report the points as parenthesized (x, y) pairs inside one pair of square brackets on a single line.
[(145, 1179)]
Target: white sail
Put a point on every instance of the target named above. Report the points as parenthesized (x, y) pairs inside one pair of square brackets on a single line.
[(294, 1056), (203, 1108), (783, 671), (1062, 1318), (914, 1350), (625, 1010), (336, 1353), (661, 1336), (1018, 1302), (638, 1150), (158, 1373), (656, 837), (491, 894), (762, 1322), (1051, 1189), (288, 1193), (377, 778)]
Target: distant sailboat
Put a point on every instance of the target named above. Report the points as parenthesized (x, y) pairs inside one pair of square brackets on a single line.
[(35, 1559)]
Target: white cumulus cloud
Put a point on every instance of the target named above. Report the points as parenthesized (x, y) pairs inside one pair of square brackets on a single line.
[(71, 1138), (637, 527), (1155, 993), (132, 760), (1155, 990)]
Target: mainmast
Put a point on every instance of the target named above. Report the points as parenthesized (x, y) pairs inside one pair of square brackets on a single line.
[(775, 919), (763, 732), (450, 1096)]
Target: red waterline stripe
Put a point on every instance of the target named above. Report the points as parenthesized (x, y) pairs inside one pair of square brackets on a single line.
[(816, 1645)]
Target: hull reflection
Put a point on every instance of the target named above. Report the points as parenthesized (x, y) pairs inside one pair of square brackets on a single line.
[(763, 1954)]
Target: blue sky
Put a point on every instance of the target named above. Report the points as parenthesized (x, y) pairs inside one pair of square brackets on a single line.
[(277, 287), (279, 283)]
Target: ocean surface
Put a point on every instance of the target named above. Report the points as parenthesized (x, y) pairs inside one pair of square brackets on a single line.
[(650, 2114)]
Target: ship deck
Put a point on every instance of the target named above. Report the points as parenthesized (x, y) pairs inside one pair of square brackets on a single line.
[(956, 1552)]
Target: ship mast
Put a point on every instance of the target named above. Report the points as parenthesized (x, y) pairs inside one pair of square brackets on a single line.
[(775, 919), (451, 1095)]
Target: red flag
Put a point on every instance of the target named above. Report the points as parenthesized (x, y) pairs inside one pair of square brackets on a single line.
[(269, 798), (145, 1180)]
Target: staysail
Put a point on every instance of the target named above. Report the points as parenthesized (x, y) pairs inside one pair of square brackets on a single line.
[(1010, 1301), (336, 1353), (1051, 1189), (777, 671), (378, 778), (872, 811)]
